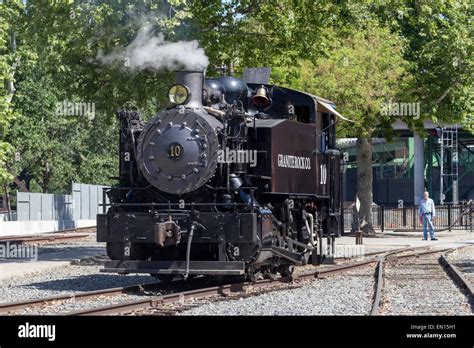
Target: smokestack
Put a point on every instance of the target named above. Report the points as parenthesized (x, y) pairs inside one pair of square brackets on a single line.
[(194, 81)]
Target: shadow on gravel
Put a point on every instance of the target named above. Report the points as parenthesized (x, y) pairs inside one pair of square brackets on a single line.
[(90, 282), (69, 253), (466, 266)]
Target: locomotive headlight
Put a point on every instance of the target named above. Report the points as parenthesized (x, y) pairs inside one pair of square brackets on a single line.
[(178, 94)]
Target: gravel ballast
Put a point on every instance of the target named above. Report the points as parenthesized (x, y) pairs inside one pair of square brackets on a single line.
[(463, 259), (72, 305), (63, 280), (420, 286), (348, 295)]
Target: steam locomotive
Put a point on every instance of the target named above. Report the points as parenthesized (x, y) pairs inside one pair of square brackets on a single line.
[(237, 178)]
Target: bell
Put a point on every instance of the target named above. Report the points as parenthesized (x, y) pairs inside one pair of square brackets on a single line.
[(260, 99)]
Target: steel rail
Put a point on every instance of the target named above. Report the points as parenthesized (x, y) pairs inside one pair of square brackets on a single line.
[(380, 271), (204, 291), (62, 234), (378, 288), (11, 307), (42, 239), (221, 290), (140, 305), (457, 275)]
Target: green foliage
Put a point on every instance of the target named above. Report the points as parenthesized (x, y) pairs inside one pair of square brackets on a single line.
[(441, 50), (7, 114), (434, 38), (58, 43), (363, 71), (261, 33), (358, 54)]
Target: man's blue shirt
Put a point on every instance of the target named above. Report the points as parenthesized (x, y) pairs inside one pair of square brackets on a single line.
[(427, 207)]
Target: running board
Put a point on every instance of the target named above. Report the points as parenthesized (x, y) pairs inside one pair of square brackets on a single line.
[(175, 267)]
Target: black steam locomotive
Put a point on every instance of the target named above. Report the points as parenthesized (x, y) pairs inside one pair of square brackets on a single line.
[(238, 177)]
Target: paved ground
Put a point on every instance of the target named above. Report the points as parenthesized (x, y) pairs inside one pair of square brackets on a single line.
[(414, 239), (59, 255), (52, 256)]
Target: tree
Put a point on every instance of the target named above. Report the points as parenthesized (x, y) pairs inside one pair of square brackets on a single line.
[(440, 49), (333, 49), (431, 43), (309, 45), (364, 70), (254, 33), (8, 61), (59, 43)]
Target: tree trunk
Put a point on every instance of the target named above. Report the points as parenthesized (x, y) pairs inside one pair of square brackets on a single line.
[(364, 183), (8, 203), (46, 176), (20, 184), (10, 84)]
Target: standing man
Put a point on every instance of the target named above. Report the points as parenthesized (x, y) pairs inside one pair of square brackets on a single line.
[(427, 215)]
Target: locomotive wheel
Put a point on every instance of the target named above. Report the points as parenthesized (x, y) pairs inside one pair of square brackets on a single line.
[(165, 278), (253, 274), (229, 279), (270, 272), (217, 278), (115, 251), (286, 270), (141, 251)]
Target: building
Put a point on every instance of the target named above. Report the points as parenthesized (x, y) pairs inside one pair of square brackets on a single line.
[(409, 164)]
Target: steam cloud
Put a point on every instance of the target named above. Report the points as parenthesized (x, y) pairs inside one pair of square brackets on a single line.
[(148, 51)]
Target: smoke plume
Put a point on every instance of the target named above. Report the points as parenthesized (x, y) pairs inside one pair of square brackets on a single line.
[(149, 51)]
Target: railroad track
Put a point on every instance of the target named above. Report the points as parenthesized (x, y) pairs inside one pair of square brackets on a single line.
[(177, 295), (159, 305), (388, 259), (68, 234), (458, 276), (374, 253), (14, 307)]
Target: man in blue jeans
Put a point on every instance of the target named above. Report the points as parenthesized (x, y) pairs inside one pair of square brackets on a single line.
[(427, 215)]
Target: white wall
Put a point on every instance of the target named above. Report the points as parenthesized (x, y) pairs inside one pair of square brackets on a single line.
[(13, 228)]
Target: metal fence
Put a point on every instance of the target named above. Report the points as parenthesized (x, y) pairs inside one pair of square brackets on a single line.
[(5, 216), (83, 204), (43, 206), (448, 217), (88, 201)]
